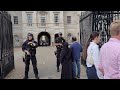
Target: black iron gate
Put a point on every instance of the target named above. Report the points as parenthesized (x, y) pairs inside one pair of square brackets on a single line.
[(96, 21), (6, 44)]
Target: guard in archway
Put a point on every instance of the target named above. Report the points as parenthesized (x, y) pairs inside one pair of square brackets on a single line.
[(29, 47), (58, 43)]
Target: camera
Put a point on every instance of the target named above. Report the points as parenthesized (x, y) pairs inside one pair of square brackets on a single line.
[(31, 49)]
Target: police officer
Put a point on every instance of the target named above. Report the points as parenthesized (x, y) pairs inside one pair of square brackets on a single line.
[(58, 43), (29, 47)]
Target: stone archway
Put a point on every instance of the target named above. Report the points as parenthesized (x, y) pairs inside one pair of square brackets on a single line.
[(69, 37), (44, 39)]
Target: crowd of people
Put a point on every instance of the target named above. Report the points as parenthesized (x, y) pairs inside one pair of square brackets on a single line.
[(102, 63), (69, 57)]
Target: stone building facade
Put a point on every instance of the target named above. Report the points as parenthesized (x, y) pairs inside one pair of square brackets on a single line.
[(44, 23)]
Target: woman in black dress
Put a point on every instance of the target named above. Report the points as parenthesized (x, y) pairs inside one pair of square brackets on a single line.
[(66, 61)]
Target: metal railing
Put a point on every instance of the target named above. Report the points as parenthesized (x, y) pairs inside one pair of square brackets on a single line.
[(6, 44), (96, 21)]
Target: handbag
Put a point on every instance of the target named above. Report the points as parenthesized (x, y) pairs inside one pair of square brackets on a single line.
[(90, 59)]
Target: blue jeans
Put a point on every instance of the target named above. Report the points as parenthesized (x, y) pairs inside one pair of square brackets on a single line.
[(76, 64)]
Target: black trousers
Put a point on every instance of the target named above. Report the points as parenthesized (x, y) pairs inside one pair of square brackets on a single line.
[(34, 63), (58, 58)]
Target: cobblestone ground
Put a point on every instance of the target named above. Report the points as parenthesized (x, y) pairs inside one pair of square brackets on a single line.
[(46, 62)]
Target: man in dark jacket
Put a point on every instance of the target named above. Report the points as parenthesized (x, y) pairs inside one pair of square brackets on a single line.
[(58, 43), (29, 47)]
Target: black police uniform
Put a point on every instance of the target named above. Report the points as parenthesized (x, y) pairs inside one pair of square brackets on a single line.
[(59, 48), (32, 57)]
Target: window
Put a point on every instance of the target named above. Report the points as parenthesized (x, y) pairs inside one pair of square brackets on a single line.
[(29, 19), (43, 21), (69, 19), (56, 18), (15, 19)]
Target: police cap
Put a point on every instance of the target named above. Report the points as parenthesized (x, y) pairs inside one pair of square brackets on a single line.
[(30, 34), (60, 33)]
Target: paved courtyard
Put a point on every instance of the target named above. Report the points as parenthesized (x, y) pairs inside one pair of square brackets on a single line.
[(46, 62)]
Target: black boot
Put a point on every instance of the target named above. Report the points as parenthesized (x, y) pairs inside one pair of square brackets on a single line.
[(25, 77), (36, 76)]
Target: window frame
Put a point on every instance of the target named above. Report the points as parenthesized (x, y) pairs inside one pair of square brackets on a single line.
[(15, 20), (56, 20), (43, 20), (29, 19), (69, 20)]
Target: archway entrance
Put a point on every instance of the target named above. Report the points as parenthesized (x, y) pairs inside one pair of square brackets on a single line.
[(44, 39)]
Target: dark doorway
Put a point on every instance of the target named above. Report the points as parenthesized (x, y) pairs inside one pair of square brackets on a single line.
[(44, 39), (56, 35)]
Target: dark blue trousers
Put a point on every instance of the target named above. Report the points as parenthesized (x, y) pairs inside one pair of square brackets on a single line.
[(91, 72)]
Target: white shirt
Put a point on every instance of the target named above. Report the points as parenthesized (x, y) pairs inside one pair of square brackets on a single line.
[(94, 49)]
